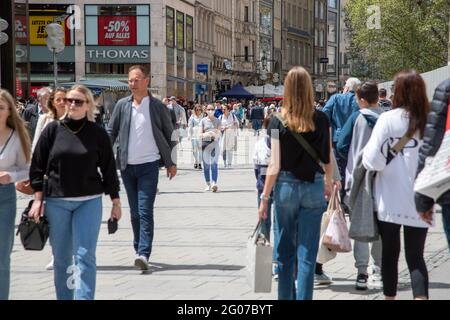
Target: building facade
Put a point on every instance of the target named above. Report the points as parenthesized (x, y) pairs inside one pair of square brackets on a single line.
[(104, 38), (204, 49), (333, 40), (320, 48), (298, 34), (344, 47), (246, 35)]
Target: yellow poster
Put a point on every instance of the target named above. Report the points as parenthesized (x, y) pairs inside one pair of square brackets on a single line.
[(38, 35)]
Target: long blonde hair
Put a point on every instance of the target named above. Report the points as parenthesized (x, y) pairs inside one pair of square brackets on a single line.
[(298, 104), (89, 98), (16, 123)]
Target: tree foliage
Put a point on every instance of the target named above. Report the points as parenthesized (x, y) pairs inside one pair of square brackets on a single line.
[(412, 34)]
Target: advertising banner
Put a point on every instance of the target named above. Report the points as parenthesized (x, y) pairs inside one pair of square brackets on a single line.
[(117, 30), (38, 34), (21, 29)]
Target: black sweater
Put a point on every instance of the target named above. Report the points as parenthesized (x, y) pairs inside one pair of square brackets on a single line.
[(74, 160)]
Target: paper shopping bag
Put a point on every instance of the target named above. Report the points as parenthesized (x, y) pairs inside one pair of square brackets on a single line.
[(259, 262)]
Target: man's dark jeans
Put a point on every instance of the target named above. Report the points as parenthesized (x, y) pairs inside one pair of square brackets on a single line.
[(141, 182)]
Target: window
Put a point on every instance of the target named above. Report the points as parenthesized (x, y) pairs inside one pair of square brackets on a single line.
[(332, 4), (117, 25), (189, 34), (246, 14), (332, 60), (332, 26), (246, 53), (316, 9), (180, 30), (316, 37), (170, 26)]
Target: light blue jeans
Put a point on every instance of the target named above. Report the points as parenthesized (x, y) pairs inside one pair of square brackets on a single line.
[(7, 220), (210, 160), (74, 228), (299, 206)]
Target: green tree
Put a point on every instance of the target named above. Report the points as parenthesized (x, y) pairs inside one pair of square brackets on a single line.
[(412, 34)]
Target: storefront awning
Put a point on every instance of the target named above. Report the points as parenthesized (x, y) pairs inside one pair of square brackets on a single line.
[(47, 77), (103, 84)]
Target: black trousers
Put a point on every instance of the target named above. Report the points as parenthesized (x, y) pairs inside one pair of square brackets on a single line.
[(414, 239)]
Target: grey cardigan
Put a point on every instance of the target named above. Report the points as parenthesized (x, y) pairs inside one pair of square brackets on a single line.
[(119, 127), (363, 225)]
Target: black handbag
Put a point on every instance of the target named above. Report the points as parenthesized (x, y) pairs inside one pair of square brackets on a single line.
[(33, 235)]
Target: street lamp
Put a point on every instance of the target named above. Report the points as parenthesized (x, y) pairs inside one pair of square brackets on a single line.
[(55, 43)]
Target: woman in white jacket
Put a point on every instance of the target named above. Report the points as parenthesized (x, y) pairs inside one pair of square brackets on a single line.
[(15, 157), (394, 183)]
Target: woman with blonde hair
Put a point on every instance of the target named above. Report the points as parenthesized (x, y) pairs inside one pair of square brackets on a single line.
[(300, 184), (194, 135), (76, 156), (15, 157)]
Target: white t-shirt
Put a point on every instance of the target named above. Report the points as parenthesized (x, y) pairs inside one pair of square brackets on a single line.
[(13, 160), (142, 146), (394, 184)]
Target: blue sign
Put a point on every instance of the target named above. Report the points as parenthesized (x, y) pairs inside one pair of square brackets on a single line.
[(201, 89), (202, 68)]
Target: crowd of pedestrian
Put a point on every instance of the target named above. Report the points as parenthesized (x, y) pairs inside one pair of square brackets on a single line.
[(305, 149)]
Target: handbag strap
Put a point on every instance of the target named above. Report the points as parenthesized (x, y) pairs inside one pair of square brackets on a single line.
[(393, 152), (302, 141), (7, 141)]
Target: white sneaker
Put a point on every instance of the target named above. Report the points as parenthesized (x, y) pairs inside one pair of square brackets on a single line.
[(375, 279), (49, 266), (141, 263), (214, 188), (322, 279), (208, 188)]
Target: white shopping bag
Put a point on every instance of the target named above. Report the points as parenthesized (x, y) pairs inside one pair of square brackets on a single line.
[(259, 262), (434, 180)]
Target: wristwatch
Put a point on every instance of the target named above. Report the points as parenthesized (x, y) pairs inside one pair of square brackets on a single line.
[(264, 197)]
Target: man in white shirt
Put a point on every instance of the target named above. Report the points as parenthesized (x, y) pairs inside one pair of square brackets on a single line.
[(145, 130)]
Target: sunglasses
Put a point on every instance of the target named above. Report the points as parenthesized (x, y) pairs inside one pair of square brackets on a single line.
[(77, 102)]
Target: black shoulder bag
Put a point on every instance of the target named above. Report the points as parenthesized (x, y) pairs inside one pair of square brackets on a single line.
[(34, 235)]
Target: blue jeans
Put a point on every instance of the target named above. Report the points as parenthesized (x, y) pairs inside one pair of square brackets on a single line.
[(210, 160), (197, 150), (7, 220), (74, 228), (257, 125), (446, 221), (299, 208), (266, 224), (141, 183)]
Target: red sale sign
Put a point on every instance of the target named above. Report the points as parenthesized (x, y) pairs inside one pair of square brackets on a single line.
[(21, 29), (117, 30)]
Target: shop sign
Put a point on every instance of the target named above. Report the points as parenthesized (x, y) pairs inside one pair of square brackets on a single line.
[(21, 29), (117, 30), (118, 54)]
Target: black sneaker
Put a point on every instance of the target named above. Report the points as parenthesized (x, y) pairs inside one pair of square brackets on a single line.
[(195, 166), (200, 167), (361, 282)]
